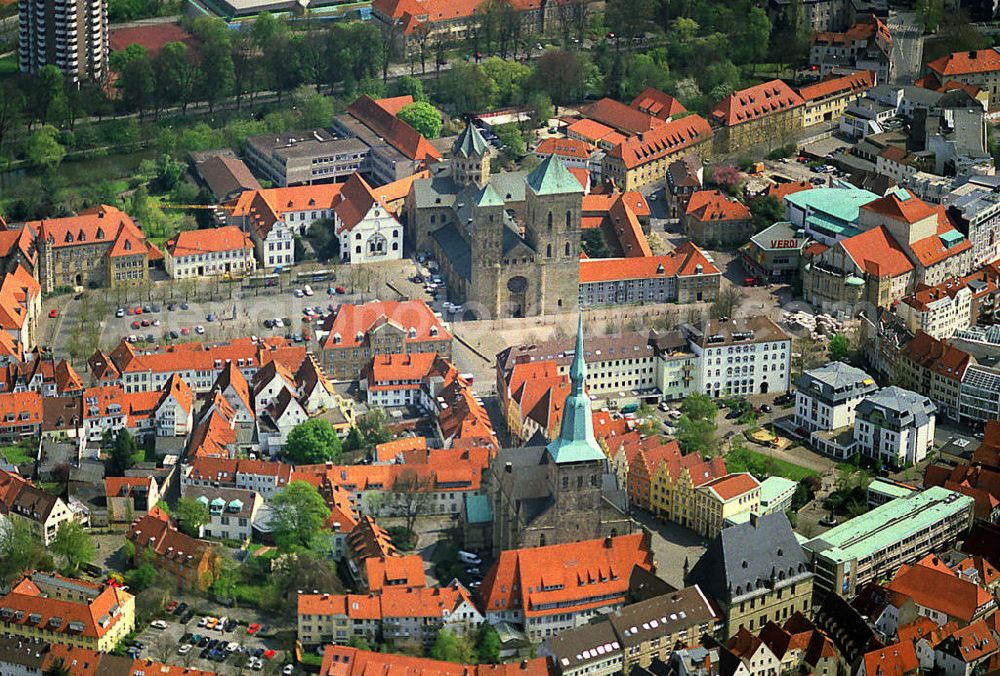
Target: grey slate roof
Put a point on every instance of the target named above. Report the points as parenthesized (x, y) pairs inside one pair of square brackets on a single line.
[(836, 382), (901, 408), (455, 249), (750, 559), (442, 191)]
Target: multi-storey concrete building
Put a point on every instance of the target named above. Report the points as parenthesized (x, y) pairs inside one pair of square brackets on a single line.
[(975, 209), (827, 396), (851, 555), (741, 356), (894, 426), (70, 35)]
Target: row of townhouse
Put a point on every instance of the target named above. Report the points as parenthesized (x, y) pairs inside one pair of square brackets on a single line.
[(397, 615), (341, 660), (21, 502), (19, 655)]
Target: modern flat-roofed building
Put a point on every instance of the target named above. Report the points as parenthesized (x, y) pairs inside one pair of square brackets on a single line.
[(895, 426), (304, 157), (848, 556)]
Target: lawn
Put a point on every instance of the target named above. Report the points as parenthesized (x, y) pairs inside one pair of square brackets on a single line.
[(8, 65), (741, 459), (17, 454)]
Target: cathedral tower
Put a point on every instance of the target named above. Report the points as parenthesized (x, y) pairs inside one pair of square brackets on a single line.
[(470, 158)]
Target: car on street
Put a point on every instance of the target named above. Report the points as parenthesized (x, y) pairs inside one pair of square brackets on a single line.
[(136, 324), (120, 312), (184, 649), (288, 669), (200, 330), (253, 628), (158, 624)]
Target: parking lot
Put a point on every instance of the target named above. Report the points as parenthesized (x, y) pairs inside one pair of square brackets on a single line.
[(233, 649)]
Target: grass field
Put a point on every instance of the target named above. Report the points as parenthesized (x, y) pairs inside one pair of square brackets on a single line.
[(741, 459), (16, 455)]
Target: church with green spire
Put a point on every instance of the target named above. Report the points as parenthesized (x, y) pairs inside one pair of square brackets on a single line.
[(508, 243), (560, 491)]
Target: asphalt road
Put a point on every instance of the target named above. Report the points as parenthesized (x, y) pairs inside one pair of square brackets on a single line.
[(907, 46)]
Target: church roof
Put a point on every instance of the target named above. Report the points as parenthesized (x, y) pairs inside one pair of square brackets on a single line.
[(470, 143), (551, 177), (576, 441), (487, 197)]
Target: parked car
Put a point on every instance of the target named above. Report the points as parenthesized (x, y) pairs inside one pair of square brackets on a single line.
[(298, 293), (120, 312), (200, 330), (253, 628), (158, 624), (764, 408), (340, 290), (288, 670), (211, 317), (184, 649), (136, 324), (307, 290)]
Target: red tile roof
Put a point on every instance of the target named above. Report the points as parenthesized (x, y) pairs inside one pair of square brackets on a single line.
[(942, 591), (682, 262), (876, 253), (755, 102), (564, 147), (120, 486), (621, 117), (712, 205), (931, 250), (212, 240), (780, 191), (731, 486), (590, 129), (901, 205), (937, 355), (656, 103), (855, 83), (566, 577), (91, 619), (897, 659), (666, 140), (965, 63), (395, 131), (970, 644), (352, 320), (387, 571), (345, 661), (102, 224)]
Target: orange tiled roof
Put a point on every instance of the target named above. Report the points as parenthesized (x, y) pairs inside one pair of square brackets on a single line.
[(860, 81), (755, 102), (681, 262), (966, 63), (712, 205), (876, 253), (931, 250), (942, 591), (668, 139), (564, 147), (390, 571), (395, 131), (29, 607), (119, 486), (654, 102), (592, 130), (972, 643), (732, 485), (566, 577), (780, 191), (212, 240), (897, 659), (901, 205), (346, 661), (624, 118), (351, 320)]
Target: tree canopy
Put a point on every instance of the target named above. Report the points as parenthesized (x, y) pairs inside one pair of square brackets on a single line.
[(297, 514), (313, 441), (423, 117), (73, 545)]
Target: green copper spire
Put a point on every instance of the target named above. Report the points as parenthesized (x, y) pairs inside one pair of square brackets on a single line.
[(551, 177), (576, 441), (470, 143)]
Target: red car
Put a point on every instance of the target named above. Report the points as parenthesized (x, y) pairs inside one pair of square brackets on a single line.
[(749, 281), (138, 309), (305, 334), (130, 311), (171, 607), (268, 654), (136, 324), (341, 290), (53, 313), (253, 628), (185, 331)]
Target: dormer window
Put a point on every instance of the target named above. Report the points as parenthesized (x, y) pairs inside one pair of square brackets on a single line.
[(69, 237), (128, 245), (336, 339), (100, 233), (82, 237)]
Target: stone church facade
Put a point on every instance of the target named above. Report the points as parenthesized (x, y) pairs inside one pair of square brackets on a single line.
[(561, 492), (508, 244)]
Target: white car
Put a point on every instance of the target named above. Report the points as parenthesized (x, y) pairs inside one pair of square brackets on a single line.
[(200, 330), (158, 624), (203, 622), (279, 324), (298, 293), (232, 646), (120, 312), (288, 670), (184, 649), (307, 290)]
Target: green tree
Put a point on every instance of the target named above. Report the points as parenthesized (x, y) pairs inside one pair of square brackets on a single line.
[(754, 37), (20, 550), (359, 642), (840, 347), (699, 406), (313, 441), (468, 88), (217, 74), (488, 645), (423, 117), (191, 515), (562, 75), (175, 75), (593, 244), (374, 427), (685, 28), (449, 647), (73, 545), (930, 13), (511, 138), (142, 577), (137, 84), (628, 18), (696, 436), (726, 303), (541, 108), (57, 667), (407, 85), (297, 514), (766, 210), (511, 78), (44, 150), (317, 111), (49, 95), (123, 453), (324, 242)]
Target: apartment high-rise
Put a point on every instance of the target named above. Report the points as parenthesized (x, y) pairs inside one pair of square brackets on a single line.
[(70, 34)]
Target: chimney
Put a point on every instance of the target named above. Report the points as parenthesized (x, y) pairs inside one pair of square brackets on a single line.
[(608, 542), (524, 665), (754, 519), (508, 467)]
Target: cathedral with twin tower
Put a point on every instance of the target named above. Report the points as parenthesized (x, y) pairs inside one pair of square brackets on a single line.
[(508, 243)]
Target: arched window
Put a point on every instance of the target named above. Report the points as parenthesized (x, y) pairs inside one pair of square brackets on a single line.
[(550, 220), (569, 217), (541, 540), (548, 251), (567, 248)]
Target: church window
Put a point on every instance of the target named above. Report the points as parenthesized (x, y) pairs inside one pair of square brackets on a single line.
[(433, 218), (565, 482), (548, 251), (550, 220), (569, 218), (541, 540), (567, 248), (579, 482)]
